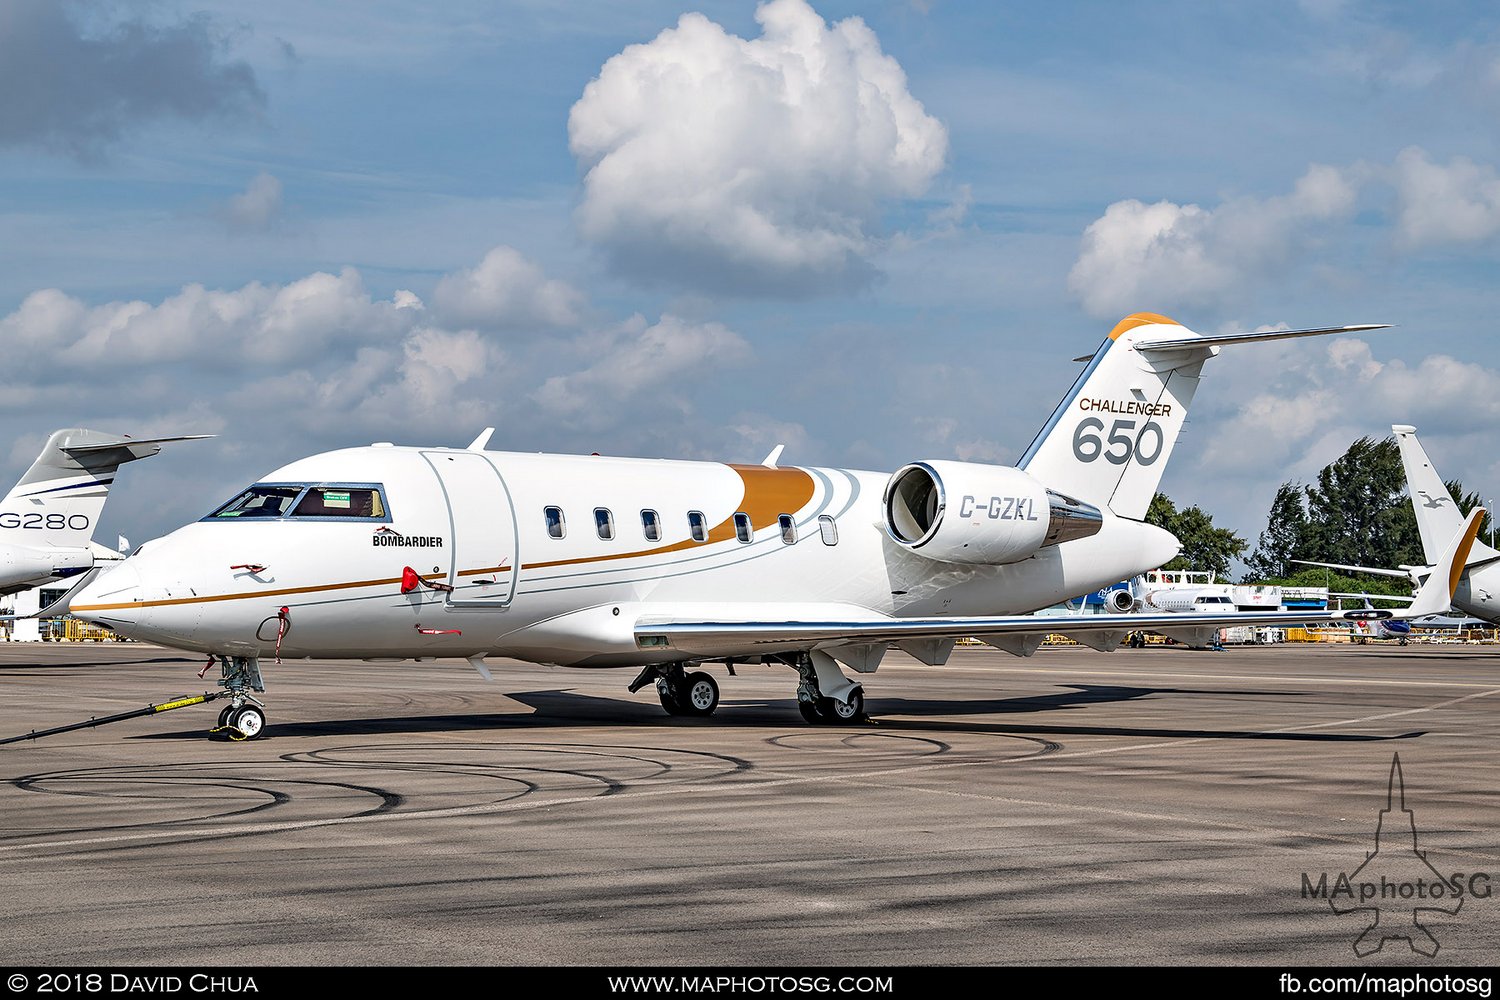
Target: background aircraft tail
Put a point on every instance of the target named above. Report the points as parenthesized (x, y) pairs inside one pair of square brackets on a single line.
[(58, 500), (1438, 516), (1110, 438)]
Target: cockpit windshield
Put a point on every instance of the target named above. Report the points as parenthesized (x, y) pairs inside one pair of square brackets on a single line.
[(261, 501), (307, 501)]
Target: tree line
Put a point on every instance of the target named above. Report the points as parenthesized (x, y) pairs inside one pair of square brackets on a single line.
[(1356, 512)]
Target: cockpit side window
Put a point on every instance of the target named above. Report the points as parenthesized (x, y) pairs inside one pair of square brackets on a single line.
[(260, 501), (340, 501), (307, 501)]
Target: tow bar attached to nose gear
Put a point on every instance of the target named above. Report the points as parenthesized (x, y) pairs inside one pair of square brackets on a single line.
[(104, 720)]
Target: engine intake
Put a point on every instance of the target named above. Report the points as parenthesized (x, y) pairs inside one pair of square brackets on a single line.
[(961, 512)]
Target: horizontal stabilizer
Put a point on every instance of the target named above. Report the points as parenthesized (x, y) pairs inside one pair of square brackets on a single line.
[(1371, 570), (1225, 340), (127, 442)]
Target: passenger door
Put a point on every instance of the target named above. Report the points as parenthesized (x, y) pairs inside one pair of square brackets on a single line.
[(484, 558)]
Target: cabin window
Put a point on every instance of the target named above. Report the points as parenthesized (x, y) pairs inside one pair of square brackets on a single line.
[(828, 529), (742, 529), (557, 525), (605, 522), (697, 526), (651, 525), (788, 529)]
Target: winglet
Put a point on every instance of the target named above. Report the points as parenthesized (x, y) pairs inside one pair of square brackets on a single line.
[(1436, 595), (775, 456), (478, 444)]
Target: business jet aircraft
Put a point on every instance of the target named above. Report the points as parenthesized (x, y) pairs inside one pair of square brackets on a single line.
[(385, 552), (1478, 587), (47, 518)]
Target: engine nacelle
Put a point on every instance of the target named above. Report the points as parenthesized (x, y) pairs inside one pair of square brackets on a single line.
[(21, 564), (986, 515)]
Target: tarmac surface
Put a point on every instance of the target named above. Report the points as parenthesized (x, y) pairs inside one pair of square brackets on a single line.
[(1149, 806)]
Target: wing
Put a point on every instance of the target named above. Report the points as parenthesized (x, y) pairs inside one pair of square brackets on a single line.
[(1012, 633), (1019, 634)]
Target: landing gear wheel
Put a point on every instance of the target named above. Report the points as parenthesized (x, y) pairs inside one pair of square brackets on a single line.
[(668, 702), (224, 715), (249, 720), (811, 713), (846, 713), (700, 694)]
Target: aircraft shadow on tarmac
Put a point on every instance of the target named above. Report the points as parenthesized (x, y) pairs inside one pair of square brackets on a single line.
[(563, 709), (72, 664)]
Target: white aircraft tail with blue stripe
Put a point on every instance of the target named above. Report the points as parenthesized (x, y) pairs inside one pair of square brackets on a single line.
[(58, 501)]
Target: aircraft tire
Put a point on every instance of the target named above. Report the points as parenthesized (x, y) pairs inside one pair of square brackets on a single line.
[(700, 694), (249, 720), (811, 713), (845, 713), (224, 715)]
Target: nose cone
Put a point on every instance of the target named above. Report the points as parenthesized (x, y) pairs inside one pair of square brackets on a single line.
[(112, 599)]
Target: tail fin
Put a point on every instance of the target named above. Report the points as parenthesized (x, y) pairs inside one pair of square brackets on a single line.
[(1438, 516), (1109, 439), (58, 500)]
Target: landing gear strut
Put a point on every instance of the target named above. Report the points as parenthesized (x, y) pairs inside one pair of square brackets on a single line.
[(825, 697), (694, 694), (244, 718)]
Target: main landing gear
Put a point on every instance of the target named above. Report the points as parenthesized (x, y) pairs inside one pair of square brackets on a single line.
[(825, 697), (681, 693), (244, 718)]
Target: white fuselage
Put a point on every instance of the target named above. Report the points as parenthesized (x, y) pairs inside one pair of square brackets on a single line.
[(1478, 592), (477, 521)]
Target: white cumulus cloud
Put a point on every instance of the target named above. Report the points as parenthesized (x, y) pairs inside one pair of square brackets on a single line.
[(286, 370), (640, 363), (259, 324), (505, 290), (731, 164), (1435, 204), (1139, 256)]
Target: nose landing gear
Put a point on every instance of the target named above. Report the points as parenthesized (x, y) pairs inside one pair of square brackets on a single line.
[(244, 718)]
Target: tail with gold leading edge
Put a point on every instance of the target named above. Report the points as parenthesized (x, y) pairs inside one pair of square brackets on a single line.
[(1109, 439)]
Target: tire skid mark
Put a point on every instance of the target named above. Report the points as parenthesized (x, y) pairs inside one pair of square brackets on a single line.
[(525, 766)]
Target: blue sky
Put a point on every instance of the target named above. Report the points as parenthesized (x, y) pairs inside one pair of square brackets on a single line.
[(309, 226)]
